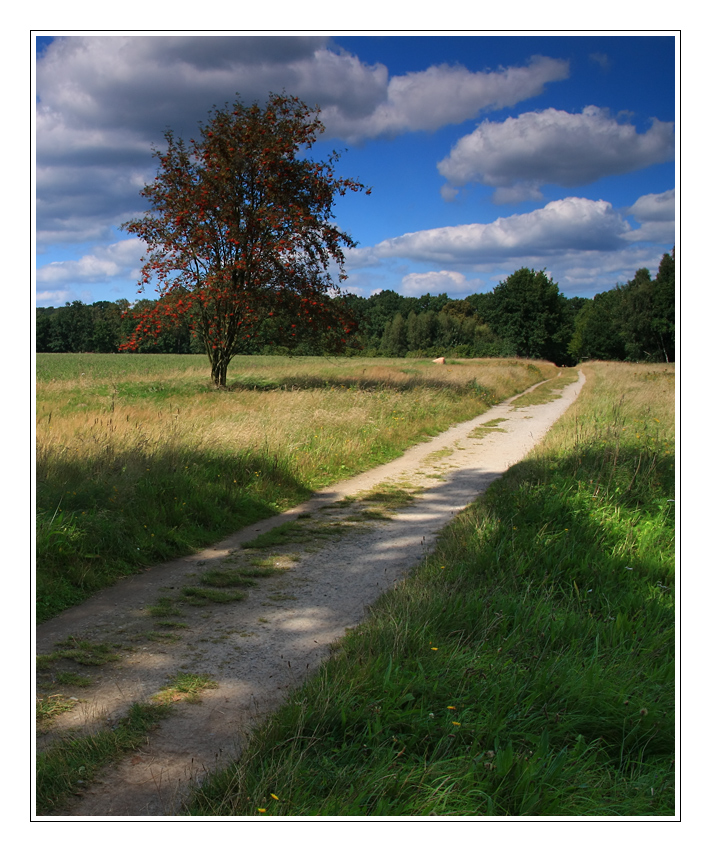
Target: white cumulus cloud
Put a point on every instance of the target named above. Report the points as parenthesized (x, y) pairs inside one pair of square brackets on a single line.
[(567, 224), (655, 207), (103, 264), (53, 296), (445, 281), (520, 154), (445, 94), (656, 212)]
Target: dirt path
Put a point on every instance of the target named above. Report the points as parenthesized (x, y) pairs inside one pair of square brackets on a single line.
[(340, 559)]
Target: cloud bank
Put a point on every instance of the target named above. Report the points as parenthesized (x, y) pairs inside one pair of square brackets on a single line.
[(568, 224), (578, 240), (104, 101)]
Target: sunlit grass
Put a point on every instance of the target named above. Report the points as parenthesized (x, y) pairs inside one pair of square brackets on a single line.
[(140, 459)]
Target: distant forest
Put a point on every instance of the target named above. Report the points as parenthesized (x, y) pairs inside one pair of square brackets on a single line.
[(524, 316)]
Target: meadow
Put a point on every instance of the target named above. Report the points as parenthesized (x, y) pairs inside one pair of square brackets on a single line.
[(139, 459), (526, 668)]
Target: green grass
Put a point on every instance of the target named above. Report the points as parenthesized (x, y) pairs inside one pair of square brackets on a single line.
[(164, 608), (526, 668), (71, 679), (541, 395), (80, 651), (47, 707), (185, 686), (488, 427), (200, 596), (389, 497), (91, 368), (226, 578), (140, 460), (301, 532), (68, 766)]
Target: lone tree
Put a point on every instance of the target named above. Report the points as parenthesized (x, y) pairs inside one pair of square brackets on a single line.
[(240, 234)]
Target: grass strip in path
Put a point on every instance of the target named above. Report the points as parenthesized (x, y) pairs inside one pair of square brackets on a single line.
[(69, 765)]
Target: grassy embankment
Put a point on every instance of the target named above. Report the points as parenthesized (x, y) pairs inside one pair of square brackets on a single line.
[(527, 668), (139, 459)]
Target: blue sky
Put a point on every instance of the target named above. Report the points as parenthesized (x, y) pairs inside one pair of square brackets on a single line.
[(484, 153)]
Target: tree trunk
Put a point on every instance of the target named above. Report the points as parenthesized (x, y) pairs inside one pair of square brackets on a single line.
[(219, 371)]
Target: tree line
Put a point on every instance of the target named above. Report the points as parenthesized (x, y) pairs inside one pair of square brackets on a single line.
[(524, 316), (632, 322), (241, 244)]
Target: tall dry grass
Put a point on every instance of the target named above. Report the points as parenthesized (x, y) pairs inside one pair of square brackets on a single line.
[(138, 460)]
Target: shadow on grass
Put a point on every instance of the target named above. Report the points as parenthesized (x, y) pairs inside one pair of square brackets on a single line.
[(569, 574), (407, 383), (99, 522), (529, 663)]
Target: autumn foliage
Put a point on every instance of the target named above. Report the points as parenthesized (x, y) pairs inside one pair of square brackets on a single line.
[(240, 234)]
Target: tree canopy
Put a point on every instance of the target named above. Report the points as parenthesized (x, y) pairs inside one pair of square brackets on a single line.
[(528, 311), (240, 234), (634, 321)]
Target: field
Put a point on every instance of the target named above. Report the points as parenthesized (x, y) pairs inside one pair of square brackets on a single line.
[(140, 459), (527, 667)]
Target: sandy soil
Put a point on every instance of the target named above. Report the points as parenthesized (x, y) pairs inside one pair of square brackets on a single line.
[(261, 648)]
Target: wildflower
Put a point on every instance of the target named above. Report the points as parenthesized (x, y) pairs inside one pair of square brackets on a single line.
[(262, 810), (434, 649), (458, 724), (276, 798), (450, 707)]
